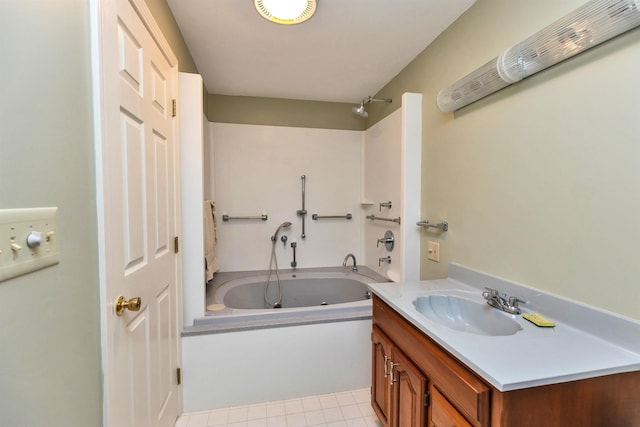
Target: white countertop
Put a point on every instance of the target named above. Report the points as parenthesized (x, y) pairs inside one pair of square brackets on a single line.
[(586, 342)]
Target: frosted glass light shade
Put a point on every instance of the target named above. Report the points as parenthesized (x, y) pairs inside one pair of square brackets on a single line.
[(480, 83), (286, 11), (591, 24)]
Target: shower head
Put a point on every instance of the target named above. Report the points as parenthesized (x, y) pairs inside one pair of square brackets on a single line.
[(280, 227), (360, 111)]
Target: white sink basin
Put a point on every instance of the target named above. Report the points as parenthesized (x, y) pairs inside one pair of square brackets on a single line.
[(465, 315)]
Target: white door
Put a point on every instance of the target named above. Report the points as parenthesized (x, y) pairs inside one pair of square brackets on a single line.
[(137, 181)]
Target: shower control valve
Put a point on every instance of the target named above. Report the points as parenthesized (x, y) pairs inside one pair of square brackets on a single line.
[(283, 239)]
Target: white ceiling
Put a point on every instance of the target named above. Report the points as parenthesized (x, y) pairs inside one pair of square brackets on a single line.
[(347, 51)]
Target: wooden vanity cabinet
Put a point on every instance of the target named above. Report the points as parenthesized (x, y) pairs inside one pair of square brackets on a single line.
[(415, 380), (399, 388)]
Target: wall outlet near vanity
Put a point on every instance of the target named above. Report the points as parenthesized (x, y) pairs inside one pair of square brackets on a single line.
[(433, 251)]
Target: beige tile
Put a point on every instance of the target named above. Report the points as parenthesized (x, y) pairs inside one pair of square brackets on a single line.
[(328, 401), (357, 422), (198, 419), (345, 399), (314, 417), (293, 406), (350, 412), (238, 414), (259, 422), (362, 395), (296, 420), (275, 409), (345, 409), (366, 409), (311, 404), (218, 417), (373, 422), (280, 421), (255, 412), (332, 414)]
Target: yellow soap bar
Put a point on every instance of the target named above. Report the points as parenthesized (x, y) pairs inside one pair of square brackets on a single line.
[(538, 320)]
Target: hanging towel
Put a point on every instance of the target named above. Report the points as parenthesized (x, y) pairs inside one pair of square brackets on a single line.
[(210, 239)]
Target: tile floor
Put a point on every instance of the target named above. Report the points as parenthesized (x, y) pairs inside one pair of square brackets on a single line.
[(346, 409)]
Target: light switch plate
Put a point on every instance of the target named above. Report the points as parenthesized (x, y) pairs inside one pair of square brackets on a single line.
[(17, 255), (433, 249)]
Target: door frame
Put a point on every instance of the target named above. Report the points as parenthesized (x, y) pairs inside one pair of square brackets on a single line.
[(97, 10)]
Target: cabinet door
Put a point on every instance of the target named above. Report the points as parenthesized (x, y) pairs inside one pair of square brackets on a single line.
[(409, 388), (380, 380), (443, 414)]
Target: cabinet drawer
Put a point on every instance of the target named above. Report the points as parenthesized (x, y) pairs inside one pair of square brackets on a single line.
[(463, 389), (442, 413)]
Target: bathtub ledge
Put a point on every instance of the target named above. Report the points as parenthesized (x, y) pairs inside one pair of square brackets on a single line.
[(234, 323)]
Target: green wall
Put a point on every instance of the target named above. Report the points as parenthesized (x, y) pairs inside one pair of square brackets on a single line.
[(50, 369), (540, 182), (283, 112)]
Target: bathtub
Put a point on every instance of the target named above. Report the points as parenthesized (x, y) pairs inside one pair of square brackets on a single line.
[(235, 300), (305, 348)]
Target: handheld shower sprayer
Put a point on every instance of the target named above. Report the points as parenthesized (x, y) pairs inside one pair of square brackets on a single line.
[(287, 224), (274, 263), (360, 111)]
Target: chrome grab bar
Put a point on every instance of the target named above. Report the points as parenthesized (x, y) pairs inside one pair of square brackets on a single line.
[(316, 216), (302, 212), (294, 263), (444, 225), (373, 217), (262, 217)]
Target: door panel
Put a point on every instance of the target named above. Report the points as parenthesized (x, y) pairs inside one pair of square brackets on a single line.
[(409, 392), (381, 386), (139, 209)]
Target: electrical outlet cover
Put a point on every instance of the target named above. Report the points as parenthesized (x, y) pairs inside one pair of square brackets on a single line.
[(433, 249)]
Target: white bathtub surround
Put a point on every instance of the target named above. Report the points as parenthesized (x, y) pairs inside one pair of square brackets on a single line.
[(392, 172), (344, 409), (192, 125), (240, 368), (258, 170)]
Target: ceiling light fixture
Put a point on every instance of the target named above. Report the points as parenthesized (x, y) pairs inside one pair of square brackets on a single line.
[(286, 12), (591, 24)]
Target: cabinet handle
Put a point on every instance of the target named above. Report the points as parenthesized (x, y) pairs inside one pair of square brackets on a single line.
[(391, 376), (386, 369)]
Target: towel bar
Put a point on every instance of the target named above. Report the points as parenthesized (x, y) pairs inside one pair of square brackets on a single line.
[(262, 217), (316, 216), (375, 218), (444, 225)]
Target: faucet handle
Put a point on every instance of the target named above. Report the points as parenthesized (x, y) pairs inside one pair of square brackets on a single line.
[(489, 292), (513, 301)]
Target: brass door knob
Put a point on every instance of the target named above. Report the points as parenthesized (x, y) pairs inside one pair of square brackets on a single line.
[(122, 304)]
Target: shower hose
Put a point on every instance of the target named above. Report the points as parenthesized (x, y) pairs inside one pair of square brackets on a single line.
[(274, 260)]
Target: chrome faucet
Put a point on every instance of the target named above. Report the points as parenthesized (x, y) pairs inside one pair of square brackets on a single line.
[(344, 263), (502, 302)]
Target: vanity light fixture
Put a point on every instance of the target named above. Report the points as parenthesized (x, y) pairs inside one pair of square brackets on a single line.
[(286, 12), (591, 24)]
